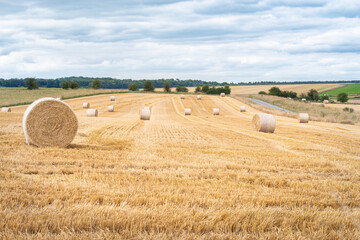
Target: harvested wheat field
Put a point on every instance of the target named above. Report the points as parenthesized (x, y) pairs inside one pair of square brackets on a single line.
[(174, 176), (298, 88)]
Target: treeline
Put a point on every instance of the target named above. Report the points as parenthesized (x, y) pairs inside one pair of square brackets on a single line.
[(109, 83), (112, 83)]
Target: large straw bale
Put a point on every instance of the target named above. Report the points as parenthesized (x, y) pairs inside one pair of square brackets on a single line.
[(303, 99), (187, 111), (86, 105), (112, 98), (216, 111), (326, 101), (5, 109), (198, 97), (145, 114), (222, 94), (242, 109), (264, 122), (92, 112), (182, 96), (111, 108), (49, 122), (303, 117)]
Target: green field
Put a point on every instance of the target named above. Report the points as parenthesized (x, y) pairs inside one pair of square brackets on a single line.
[(20, 96), (351, 89)]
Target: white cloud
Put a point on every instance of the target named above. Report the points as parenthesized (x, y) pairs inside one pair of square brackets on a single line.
[(210, 40)]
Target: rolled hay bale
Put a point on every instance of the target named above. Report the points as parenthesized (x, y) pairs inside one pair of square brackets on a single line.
[(111, 108), (92, 112), (198, 97), (326, 101), (112, 98), (303, 100), (222, 94), (216, 111), (303, 117), (263, 122), (48, 122), (86, 105), (145, 114), (182, 97), (187, 111), (5, 109), (242, 109)]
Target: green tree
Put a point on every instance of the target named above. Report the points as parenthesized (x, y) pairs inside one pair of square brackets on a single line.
[(133, 87), (262, 93), (227, 89), (65, 85), (324, 97), (313, 95), (167, 87), (182, 89), (205, 88), (198, 89), (73, 85), (342, 97), (96, 84), (275, 91), (148, 86), (31, 83)]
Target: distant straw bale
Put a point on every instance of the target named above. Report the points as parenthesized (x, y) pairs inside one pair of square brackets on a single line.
[(263, 122), (5, 109), (92, 112), (145, 114), (303, 117)]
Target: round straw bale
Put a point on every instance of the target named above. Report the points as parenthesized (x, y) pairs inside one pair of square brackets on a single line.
[(49, 122), (112, 98), (263, 122), (182, 96), (92, 112), (86, 105), (303, 99), (222, 94), (326, 101), (242, 109), (187, 111), (198, 97), (216, 111), (303, 117), (111, 108), (5, 109), (145, 114)]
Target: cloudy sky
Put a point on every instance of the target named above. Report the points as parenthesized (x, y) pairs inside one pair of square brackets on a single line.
[(221, 40)]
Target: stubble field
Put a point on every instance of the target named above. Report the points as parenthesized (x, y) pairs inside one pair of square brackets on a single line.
[(177, 176)]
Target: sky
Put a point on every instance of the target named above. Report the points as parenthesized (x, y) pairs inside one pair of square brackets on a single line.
[(211, 40)]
